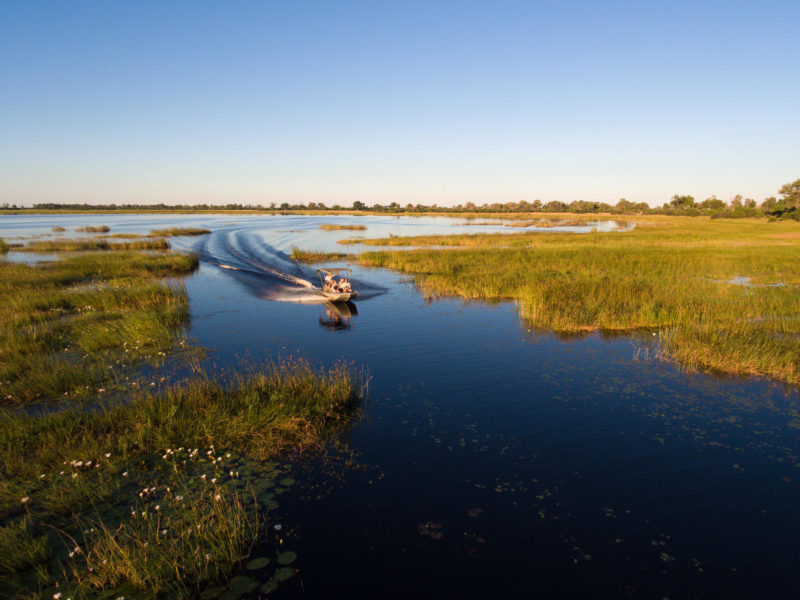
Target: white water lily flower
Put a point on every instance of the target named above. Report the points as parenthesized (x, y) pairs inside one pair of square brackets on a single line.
[(25, 499), (57, 595)]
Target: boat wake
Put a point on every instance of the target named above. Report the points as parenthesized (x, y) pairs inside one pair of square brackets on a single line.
[(265, 270)]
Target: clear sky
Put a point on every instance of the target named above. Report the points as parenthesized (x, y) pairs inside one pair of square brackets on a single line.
[(422, 102)]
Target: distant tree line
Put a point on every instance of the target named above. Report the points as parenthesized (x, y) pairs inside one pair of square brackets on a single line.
[(787, 206)]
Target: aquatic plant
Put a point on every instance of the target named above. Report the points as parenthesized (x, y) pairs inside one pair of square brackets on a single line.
[(673, 275), (175, 231), (3, 246), (308, 256), (70, 328), (334, 227), (94, 229), (169, 491), (86, 245)]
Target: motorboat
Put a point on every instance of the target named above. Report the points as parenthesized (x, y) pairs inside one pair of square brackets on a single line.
[(336, 285)]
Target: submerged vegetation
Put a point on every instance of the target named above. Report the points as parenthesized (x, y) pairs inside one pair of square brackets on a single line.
[(722, 294), (307, 256)]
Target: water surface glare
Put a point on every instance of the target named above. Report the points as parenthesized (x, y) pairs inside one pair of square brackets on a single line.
[(497, 461)]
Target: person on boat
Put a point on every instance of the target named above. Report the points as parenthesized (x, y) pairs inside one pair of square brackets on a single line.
[(346, 286)]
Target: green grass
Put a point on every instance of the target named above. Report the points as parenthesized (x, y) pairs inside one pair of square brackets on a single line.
[(332, 227), (149, 493), (670, 275), (174, 231), (307, 256), (86, 245), (168, 492), (73, 327)]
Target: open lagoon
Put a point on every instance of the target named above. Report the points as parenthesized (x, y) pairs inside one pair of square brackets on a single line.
[(493, 460)]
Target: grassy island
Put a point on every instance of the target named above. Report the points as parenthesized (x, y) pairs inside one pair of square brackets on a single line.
[(722, 294)]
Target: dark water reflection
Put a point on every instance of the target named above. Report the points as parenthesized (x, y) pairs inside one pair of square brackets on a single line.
[(542, 465)]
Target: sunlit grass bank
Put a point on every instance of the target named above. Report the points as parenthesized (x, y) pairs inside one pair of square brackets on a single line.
[(331, 227), (165, 493), (677, 276), (84, 245), (307, 256), (94, 229), (175, 231), (72, 327)]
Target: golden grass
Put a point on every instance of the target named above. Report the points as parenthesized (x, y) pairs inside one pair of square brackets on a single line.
[(670, 274)]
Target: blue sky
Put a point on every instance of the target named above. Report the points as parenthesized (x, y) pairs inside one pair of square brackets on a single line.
[(429, 102)]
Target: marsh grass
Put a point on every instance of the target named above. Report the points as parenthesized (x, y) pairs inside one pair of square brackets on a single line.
[(163, 493), (308, 256), (94, 229), (68, 327), (669, 274), (333, 227), (87, 245), (175, 231), (4, 247)]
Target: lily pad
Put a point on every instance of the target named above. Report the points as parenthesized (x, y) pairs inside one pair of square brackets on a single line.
[(287, 482), (242, 584), (287, 558), (257, 563), (211, 593), (284, 573), (269, 587), (266, 497)]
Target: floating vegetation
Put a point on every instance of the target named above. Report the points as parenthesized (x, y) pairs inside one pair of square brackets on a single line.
[(176, 231), (307, 256), (58, 229), (258, 563), (332, 227), (431, 530), (286, 558)]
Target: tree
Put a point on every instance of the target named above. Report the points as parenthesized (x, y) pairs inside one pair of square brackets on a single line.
[(682, 202), (791, 194), (712, 203), (788, 206), (358, 205)]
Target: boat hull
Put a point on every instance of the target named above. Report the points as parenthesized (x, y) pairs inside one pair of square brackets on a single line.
[(339, 296)]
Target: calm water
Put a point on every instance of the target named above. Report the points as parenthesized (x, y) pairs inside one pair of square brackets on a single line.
[(493, 460)]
